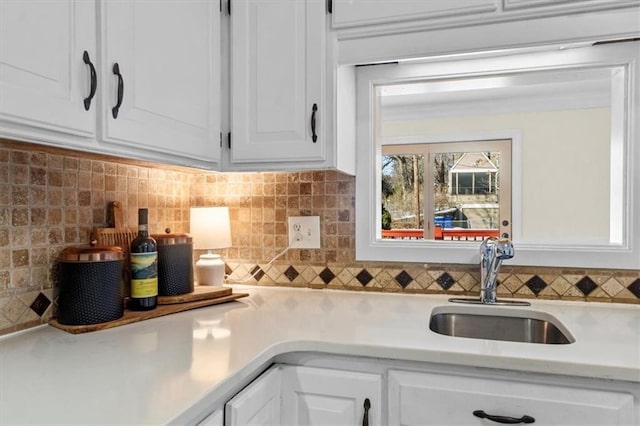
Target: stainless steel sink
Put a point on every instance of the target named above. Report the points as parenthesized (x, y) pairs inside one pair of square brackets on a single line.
[(497, 323)]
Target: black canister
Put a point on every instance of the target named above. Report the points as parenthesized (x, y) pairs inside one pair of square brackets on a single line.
[(175, 263), (90, 280)]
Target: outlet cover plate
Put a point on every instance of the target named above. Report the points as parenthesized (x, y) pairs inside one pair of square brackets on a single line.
[(304, 232)]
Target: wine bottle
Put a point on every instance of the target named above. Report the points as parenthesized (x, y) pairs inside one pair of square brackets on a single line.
[(144, 267)]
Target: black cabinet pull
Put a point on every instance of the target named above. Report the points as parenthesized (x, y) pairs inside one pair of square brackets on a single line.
[(314, 136), (365, 419), (94, 80), (115, 109), (504, 419)]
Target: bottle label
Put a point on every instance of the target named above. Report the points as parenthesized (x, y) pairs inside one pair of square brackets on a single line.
[(144, 274)]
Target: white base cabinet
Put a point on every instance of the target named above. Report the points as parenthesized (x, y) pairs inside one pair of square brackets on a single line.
[(297, 395), (441, 399), (214, 419), (317, 389)]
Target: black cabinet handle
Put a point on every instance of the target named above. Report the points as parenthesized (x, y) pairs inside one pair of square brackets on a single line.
[(365, 419), (314, 136), (115, 109), (94, 80), (504, 419)]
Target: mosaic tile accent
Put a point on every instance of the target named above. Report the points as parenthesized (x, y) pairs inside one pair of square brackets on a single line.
[(326, 275), (404, 279), (586, 285), (40, 304), (634, 288), (536, 284), (446, 281), (291, 273), (364, 277), (257, 273)]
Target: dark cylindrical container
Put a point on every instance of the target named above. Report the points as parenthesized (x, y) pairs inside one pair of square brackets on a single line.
[(90, 280), (175, 263)]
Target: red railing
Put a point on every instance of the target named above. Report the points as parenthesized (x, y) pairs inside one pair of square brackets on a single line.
[(442, 234), (403, 234)]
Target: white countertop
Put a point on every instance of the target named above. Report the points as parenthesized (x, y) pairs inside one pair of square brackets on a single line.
[(153, 371)]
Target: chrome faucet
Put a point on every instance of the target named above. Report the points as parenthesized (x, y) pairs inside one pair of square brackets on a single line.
[(492, 252)]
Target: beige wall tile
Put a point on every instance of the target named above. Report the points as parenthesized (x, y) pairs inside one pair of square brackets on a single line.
[(50, 199)]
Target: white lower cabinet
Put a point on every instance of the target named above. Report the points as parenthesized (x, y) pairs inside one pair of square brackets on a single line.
[(314, 390), (258, 403), (296, 395), (417, 398), (214, 419)]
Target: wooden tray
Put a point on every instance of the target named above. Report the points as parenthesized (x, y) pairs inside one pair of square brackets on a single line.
[(200, 292), (205, 296)]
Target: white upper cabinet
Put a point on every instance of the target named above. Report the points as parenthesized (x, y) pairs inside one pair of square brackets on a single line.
[(443, 13), (278, 105), (57, 87), (348, 13), (161, 68), (43, 78)]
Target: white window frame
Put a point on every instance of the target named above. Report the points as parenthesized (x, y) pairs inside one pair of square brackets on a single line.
[(623, 254)]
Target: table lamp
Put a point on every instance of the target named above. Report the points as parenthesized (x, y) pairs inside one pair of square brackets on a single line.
[(210, 229)]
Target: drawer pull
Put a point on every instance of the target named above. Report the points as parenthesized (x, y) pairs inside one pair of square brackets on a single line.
[(94, 80), (116, 71), (365, 419), (504, 419), (314, 136)]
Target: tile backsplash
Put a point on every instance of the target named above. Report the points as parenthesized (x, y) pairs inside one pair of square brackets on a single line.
[(51, 198)]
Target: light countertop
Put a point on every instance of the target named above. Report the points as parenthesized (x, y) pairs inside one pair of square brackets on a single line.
[(155, 371)]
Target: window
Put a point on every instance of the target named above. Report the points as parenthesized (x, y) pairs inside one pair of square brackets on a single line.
[(570, 116), (460, 192)]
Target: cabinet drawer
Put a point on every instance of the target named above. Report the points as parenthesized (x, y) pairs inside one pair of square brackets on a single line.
[(438, 399)]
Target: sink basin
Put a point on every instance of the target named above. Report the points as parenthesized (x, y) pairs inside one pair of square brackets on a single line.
[(496, 323)]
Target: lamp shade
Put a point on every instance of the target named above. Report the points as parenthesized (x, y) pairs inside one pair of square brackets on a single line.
[(210, 228)]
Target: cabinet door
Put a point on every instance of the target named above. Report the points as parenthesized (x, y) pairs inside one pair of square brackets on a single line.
[(214, 419), (320, 396), (168, 56), (436, 399), (348, 13), (259, 403), (43, 78), (277, 76)]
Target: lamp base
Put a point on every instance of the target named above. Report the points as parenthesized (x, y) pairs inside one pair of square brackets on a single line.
[(210, 270)]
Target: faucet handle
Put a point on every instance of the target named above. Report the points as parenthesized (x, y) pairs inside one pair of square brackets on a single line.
[(504, 249), (486, 247)]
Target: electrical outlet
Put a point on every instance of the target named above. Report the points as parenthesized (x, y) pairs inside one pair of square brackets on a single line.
[(304, 232)]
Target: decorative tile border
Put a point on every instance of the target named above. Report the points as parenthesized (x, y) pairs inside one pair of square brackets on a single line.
[(513, 282)]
